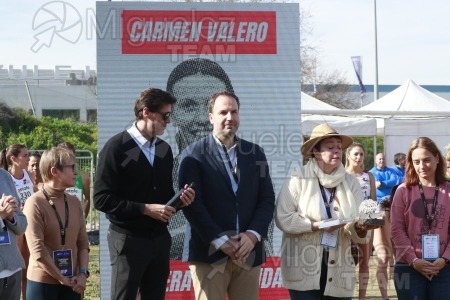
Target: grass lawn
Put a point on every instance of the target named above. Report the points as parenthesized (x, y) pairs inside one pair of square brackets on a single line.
[(93, 285)]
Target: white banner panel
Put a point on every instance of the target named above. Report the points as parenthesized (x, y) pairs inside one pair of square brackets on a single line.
[(194, 50)]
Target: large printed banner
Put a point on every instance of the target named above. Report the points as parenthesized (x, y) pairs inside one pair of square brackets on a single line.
[(193, 50), (199, 32), (179, 284)]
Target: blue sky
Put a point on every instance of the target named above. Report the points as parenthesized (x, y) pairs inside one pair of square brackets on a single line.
[(413, 37)]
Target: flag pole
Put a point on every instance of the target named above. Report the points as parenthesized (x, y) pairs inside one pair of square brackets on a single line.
[(375, 86), (357, 65)]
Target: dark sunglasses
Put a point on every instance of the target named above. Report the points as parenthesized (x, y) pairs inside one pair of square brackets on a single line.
[(165, 115)]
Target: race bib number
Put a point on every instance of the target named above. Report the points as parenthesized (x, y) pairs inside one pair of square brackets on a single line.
[(24, 193)]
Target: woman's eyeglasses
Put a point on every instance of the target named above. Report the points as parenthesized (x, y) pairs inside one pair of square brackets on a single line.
[(73, 167)]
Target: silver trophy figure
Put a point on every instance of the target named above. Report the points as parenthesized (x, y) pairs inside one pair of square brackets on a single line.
[(370, 213)]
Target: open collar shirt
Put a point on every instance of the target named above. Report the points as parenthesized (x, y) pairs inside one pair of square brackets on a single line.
[(147, 147)]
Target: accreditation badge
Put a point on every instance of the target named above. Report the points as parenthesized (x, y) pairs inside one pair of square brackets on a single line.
[(63, 260), (430, 246), (329, 239), (4, 237)]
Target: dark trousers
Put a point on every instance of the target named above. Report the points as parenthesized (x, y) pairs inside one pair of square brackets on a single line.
[(412, 285), (46, 291), (316, 294), (10, 286), (139, 263)]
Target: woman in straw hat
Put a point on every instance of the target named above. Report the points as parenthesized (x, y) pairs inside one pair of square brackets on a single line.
[(316, 261)]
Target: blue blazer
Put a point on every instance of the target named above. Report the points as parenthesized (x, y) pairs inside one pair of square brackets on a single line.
[(215, 207)]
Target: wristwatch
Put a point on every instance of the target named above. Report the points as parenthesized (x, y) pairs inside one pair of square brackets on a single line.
[(446, 261), (85, 272)]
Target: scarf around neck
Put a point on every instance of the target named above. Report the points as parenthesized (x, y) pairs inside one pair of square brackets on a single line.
[(336, 179)]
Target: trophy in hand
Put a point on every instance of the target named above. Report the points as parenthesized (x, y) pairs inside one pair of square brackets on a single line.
[(370, 213)]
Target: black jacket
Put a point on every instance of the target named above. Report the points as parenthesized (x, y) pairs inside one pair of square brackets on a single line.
[(125, 181)]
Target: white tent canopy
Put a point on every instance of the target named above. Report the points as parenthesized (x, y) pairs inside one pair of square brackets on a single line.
[(309, 102), (409, 97), (344, 125), (399, 131)]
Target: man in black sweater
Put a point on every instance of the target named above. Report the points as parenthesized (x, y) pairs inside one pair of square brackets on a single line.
[(133, 183)]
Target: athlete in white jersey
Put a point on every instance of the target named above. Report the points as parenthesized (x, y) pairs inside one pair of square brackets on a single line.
[(355, 165), (24, 187), (364, 181)]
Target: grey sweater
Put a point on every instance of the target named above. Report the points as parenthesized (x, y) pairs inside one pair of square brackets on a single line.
[(10, 257)]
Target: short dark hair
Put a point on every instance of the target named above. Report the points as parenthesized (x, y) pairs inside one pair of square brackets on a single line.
[(35, 154), (153, 99), (212, 101), (398, 156)]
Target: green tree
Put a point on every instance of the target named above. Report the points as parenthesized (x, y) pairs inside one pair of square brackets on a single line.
[(46, 132), (367, 142)]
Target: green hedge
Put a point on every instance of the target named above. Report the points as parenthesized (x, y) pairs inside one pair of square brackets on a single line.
[(46, 132)]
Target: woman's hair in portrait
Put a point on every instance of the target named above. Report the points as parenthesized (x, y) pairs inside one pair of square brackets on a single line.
[(198, 66)]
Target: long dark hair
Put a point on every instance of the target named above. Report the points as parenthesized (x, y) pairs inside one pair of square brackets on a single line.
[(6, 154)]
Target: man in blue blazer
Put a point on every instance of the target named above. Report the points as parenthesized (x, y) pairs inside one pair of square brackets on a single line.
[(233, 206)]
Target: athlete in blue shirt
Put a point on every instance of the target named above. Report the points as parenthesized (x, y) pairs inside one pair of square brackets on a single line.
[(385, 178)]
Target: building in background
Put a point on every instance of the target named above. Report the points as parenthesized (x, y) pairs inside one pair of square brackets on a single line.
[(61, 92)]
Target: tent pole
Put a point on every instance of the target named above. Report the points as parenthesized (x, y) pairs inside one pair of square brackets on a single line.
[(374, 148), (375, 86)]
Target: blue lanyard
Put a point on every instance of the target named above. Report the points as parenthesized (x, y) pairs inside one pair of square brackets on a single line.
[(327, 203)]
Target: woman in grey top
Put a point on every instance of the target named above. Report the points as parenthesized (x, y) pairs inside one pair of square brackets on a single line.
[(12, 224)]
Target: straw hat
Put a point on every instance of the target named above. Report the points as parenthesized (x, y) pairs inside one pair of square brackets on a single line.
[(321, 132)]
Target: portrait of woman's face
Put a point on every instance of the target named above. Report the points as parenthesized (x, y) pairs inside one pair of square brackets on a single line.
[(356, 156), (330, 153), (191, 112), (23, 158)]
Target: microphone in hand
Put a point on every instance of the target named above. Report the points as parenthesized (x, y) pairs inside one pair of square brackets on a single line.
[(175, 201)]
